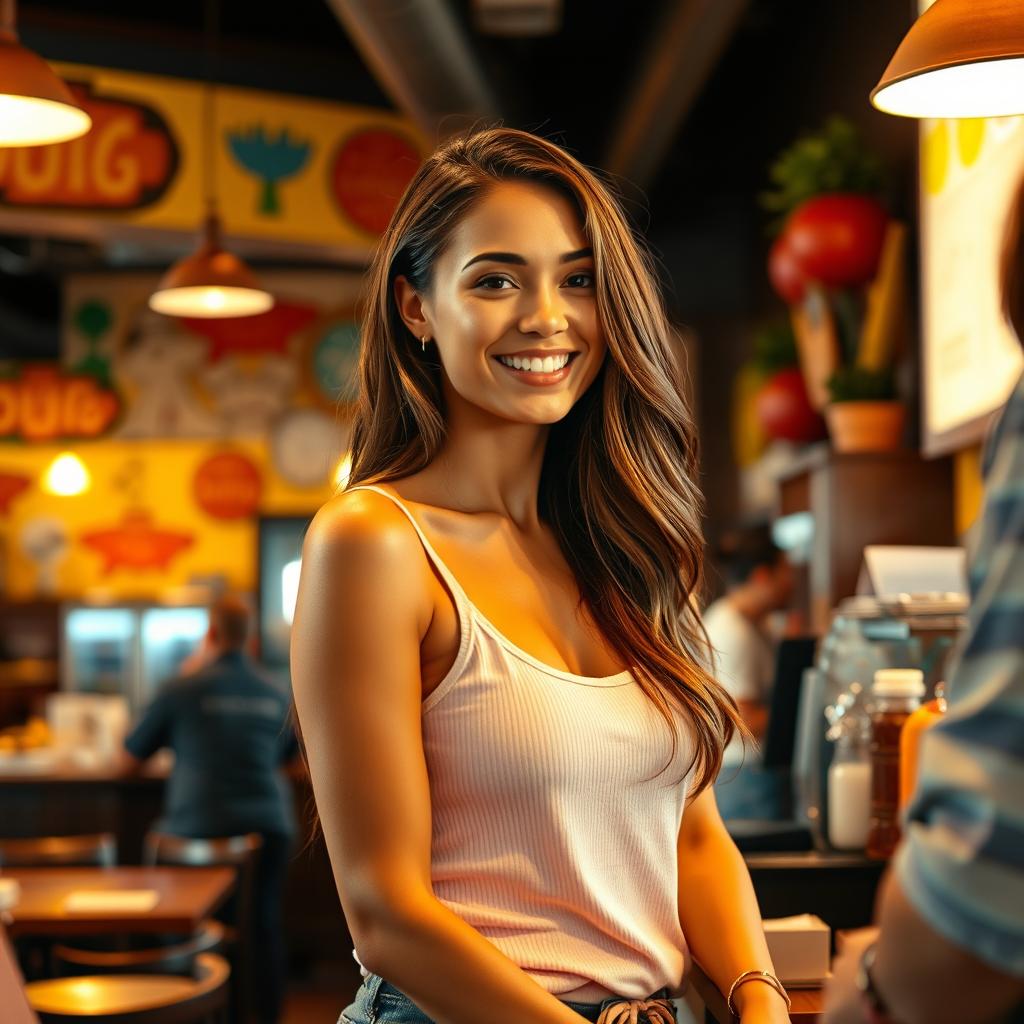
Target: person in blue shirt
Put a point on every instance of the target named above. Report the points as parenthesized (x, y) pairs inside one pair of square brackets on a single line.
[(228, 724), (950, 945)]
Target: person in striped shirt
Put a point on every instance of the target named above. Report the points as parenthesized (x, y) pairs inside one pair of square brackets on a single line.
[(950, 946)]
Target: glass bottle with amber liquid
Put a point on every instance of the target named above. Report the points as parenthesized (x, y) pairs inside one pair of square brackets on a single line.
[(896, 694)]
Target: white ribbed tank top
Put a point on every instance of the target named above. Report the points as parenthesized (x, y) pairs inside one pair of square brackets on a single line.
[(552, 836)]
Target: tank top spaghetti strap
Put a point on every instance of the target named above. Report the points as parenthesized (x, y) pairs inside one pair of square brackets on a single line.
[(470, 615)]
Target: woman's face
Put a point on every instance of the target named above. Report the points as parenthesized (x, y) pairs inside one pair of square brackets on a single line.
[(512, 306)]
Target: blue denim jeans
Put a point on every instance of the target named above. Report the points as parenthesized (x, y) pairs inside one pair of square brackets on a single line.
[(378, 1002)]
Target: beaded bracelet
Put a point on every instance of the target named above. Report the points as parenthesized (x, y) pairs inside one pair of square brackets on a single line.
[(765, 976)]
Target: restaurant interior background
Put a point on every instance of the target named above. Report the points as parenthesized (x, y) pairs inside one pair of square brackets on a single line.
[(146, 460)]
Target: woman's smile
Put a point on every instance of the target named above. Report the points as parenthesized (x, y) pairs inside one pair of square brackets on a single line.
[(538, 367)]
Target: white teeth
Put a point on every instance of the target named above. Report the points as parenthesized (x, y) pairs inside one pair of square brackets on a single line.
[(549, 364)]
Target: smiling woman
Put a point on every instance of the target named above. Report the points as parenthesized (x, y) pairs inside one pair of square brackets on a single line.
[(497, 665)]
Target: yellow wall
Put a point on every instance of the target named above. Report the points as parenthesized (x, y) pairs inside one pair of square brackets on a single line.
[(155, 477), (967, 487)]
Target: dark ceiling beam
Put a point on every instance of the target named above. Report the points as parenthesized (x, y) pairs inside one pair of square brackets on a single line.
[(421, 58), (680, 56)]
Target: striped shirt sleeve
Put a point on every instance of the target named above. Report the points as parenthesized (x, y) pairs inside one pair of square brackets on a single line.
[(961, 864)]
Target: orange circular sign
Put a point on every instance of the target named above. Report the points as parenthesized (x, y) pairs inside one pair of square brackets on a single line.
[(369, 173), (228, 486)]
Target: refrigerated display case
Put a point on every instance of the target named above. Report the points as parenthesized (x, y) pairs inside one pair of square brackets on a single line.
[(280, 558), (127, 649)]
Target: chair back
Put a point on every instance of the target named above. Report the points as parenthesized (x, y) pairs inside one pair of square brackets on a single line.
[(12, 987), (182, 851), (98, 850), (240, 852)]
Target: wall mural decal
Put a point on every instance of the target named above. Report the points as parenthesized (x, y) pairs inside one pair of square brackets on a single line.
[(270, 158), (39, 402), (44, 541), (136, 543), (11, 486), (369, 172), (195, 378), (228, 485)]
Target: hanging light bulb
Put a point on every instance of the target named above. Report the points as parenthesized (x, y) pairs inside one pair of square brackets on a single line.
[(66, 476), (212, 282), (961, 58), (36, 107)]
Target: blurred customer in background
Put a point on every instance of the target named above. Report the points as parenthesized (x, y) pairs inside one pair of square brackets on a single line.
[(759, 583), (951, 911), (229, 727)]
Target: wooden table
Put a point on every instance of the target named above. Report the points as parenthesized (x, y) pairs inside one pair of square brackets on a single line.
[(808, 1003), (186, 897)]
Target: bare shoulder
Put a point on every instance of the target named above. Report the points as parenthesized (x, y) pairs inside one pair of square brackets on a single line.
[(366, 526)]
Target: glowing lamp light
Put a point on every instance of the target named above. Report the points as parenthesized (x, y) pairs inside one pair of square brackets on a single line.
[(210, 283), (67, 476), (36, 107), (960, 59)]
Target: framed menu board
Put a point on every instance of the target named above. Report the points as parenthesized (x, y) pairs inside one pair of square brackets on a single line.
[(971, 358)]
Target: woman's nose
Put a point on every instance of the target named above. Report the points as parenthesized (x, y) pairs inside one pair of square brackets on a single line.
[(545, 315)]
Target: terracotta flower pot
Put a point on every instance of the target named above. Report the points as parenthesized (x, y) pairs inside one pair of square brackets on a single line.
[(866, 426)]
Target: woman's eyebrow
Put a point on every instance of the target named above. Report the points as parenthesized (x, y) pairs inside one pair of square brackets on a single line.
[(514, 257)]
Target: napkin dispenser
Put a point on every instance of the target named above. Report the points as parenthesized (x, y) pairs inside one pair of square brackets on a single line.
[(799, 947)]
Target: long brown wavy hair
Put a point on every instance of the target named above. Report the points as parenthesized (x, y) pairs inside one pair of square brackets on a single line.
[(618, 483)]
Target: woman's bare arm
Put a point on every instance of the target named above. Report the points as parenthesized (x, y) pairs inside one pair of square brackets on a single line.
[(719, 913), (363, 607)]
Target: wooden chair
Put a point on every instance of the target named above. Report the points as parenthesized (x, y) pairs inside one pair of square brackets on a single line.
[(177, 958), (241, 853), (135, 998), (98, 850)]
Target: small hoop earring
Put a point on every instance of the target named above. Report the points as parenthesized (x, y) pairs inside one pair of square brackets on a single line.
[(423, 342)]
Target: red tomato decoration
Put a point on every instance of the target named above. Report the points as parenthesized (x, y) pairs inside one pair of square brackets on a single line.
[(785, 272), (785, 411), (837, 238)]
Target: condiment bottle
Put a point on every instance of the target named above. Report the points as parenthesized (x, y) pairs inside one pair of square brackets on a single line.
[(849, 793), (910, 741), (896, 695)]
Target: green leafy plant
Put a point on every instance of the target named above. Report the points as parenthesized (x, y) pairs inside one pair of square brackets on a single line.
[(774, 347), (857, 384), (834, 159)]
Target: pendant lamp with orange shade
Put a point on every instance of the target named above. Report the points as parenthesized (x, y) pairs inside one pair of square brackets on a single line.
[(960, 59), (212, 282), (36, 107)]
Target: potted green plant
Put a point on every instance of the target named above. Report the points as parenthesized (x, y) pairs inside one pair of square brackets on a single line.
[(864, 413), (838, 263)]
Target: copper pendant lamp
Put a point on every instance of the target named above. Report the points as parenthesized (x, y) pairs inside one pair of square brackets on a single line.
[(36, 107), (212, 282), (961, 58)]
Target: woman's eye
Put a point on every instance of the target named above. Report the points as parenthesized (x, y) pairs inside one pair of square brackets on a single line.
[(495, 282), (582, 279)]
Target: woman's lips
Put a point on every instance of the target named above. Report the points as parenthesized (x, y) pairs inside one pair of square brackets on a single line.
[(539, 379)]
